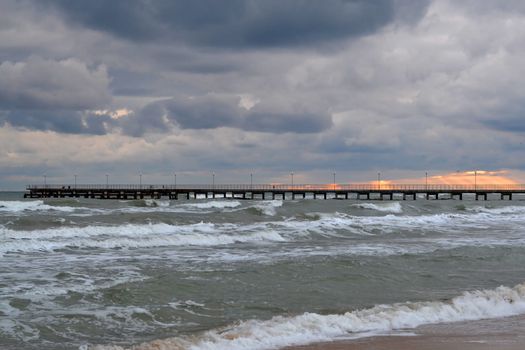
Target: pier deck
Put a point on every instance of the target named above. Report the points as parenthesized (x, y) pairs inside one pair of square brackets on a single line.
[(270, 192)]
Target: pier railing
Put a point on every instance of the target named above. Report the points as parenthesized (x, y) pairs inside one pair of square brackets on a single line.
[(280, 187)]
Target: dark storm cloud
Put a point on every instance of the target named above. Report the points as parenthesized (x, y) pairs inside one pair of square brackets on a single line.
[(211, 112), (513, 124), (235, 23), (63, 121), (54, 95), (191, 62), (46, 93), (52, 84), (206, 112), (297, 122), (150, 118)]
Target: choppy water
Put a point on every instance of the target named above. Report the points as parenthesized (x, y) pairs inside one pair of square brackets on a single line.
[(228, 274)]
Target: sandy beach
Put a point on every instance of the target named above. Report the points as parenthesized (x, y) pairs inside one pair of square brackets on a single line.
[(502, 334)]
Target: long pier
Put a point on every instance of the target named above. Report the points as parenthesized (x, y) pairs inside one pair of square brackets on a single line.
[(278, 191)]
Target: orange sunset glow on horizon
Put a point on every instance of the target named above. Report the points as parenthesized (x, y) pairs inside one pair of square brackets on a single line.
[(458, 178), (469, 177)]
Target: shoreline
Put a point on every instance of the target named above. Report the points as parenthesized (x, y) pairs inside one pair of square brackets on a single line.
[(488, 334)]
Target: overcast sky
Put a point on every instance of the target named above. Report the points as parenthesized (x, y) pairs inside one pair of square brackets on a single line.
[(265, 87)]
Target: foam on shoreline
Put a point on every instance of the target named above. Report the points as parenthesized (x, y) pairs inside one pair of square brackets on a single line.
[(281, 331)]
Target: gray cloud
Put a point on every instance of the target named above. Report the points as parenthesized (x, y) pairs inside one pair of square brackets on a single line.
[(215, 111), (515, 124), (63, 121), (204, 112), (55, 95), (236, 23), (52, 84)]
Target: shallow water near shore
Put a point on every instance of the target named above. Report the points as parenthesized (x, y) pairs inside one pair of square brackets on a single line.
[(230, 274), (487, 334)]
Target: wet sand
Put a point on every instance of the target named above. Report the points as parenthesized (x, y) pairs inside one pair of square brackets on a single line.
[(494, 334)]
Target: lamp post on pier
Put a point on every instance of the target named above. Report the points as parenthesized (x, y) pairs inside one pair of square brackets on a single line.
[(291, 174), (251, 181), (75, 180), (45, 186), (378, 181), (334, 179), (475, 180), (107, 180), (426, 181), (175, 180), (140, 181), (213, 180)]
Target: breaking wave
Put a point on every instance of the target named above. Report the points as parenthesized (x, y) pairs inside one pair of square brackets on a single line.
[(213, 204), (130, 236), (21, 206), (266, 207), (340, 226), (149, 203), (393, 207), (311, 327), (513, 209)]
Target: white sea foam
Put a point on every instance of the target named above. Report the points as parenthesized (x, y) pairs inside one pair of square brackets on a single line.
[(184, 304), (265, 207), (339, 225), (311, 327), (443, 222), (21, 206), (146, 205), (268, 207), (129, 230), (388, 207), (130, 236), (213, 204), (330, 224), (39, 288), (156, 203), (513, 209)]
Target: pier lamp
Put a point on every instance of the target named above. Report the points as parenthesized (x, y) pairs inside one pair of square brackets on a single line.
[(378, 181), (334, 179), (475, 180), (291, 174), (75, 180), (140, 181), (251, 181), (213, 180), (175, 180), (426, 180), (107, 180), (45, 180)]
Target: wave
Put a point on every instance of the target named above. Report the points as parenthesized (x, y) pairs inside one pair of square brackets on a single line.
[(213, 204), (132, 206), (324, 224), (307, 328), (165, 206), (130, 236), (151, 203), (68, 283), (266, 207), (461, 229), (39, 205), (513, 209), (436, 222), (392, 207)]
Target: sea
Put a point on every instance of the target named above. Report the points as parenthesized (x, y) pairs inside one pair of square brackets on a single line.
[(234, 274)]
